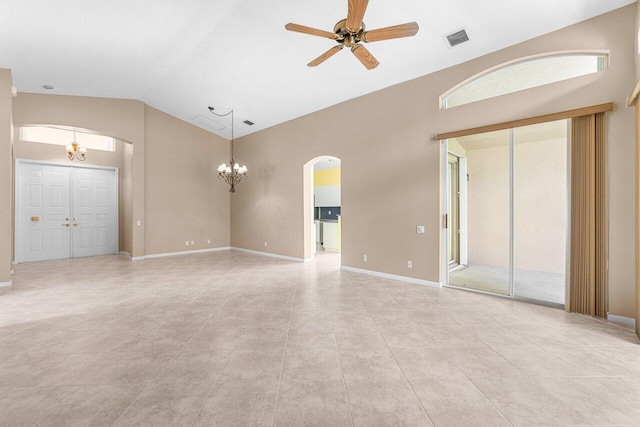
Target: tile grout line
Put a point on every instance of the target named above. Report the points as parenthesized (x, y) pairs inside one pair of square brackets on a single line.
[(344, 382), (204, 401), (415, 395), (284, 355), (170, 360), (478, 388)]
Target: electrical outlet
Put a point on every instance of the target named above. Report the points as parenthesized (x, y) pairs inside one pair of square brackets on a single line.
[(420, 229), (186, 243), (409, 264), (209, 242), (193, 242), (329, 212), (364, 258), (138, 222), (265, 244)]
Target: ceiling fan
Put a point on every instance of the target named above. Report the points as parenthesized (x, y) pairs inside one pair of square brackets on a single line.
[(351, 32)]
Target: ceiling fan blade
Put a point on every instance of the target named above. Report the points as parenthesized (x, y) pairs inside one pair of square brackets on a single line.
[(328, 54), (355, 13), (365, 56), (312, 31), (395, 32)]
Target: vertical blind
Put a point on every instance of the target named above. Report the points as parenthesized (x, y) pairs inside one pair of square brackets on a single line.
[(588, 228)]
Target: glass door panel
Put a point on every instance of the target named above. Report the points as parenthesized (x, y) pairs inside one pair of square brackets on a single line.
[(487, 199), (540, 211), (453, 205)]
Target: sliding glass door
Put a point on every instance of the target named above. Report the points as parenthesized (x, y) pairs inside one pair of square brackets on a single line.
[(540, 214), (488, 213), (515, 204)]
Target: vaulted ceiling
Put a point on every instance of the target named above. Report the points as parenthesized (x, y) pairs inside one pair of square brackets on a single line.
[(183, 56)]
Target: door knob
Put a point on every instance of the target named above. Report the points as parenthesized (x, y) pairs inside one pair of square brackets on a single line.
[(66, 225), (75, 225)]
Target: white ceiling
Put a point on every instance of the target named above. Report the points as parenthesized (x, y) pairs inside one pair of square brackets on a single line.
[(182, 56)]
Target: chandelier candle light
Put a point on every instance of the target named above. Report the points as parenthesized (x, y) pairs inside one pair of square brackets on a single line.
[(232, 173), (75, 150)]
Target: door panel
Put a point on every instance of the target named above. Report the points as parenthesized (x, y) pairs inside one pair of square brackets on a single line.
[(43, 213), (487, 267), (95, 212), (49, 196), (540, 212)]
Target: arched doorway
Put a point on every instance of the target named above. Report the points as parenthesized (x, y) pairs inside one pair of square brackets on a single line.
[(322, 206)]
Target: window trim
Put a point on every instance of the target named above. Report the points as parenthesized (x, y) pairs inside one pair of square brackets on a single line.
[(567, 114)]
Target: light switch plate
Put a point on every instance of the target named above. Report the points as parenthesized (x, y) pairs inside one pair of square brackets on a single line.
[(420, 229)]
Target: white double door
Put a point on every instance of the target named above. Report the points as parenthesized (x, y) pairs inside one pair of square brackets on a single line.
[(65, 212)]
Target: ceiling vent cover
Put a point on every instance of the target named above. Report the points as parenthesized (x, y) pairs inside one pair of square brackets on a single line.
[(458, 37), (248, 122)]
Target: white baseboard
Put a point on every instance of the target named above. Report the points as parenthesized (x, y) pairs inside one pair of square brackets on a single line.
[(392, 276), (621, 319), (288, 258), (166, 254), (5, 284), (137, 258), (125, 253), (196, 251)]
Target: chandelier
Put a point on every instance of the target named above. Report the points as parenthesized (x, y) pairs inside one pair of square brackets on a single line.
[(232, 173), (75, 150)]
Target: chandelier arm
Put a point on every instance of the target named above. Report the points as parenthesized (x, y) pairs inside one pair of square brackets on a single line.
[(232, 138), (231, 174)]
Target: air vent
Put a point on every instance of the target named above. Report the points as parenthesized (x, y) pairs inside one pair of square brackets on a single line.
[(459, 37), (248, 122)]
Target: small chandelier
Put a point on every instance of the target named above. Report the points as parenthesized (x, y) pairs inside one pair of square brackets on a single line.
[(233, 173), (75, 150)]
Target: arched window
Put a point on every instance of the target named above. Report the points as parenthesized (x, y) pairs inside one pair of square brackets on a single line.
[(524, 74)]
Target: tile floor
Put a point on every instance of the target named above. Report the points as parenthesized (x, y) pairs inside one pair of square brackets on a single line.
[(535, 285), (229, 338)]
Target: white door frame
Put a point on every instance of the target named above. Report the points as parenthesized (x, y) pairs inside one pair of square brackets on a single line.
[(17, 196)]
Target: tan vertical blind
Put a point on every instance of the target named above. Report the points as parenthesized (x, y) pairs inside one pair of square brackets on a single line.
[(588, 228), (602, 220)]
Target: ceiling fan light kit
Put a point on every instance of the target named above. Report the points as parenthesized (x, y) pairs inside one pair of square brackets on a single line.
[(351, 32)]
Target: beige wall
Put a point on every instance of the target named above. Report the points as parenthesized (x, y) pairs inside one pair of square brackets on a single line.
[(6, 164), (126, 199), (184, 200), (455, 148), (175, 176), (119, 118), (391, 163)]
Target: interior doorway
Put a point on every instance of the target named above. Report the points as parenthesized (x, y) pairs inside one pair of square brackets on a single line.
[(323, 206), (64, 211), (514, 197)]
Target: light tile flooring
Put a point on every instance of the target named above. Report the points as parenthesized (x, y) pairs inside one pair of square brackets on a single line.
[(535, 285), (229, 338)]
